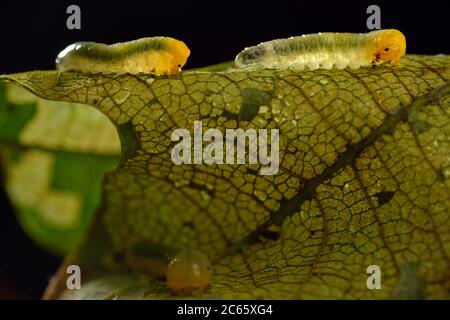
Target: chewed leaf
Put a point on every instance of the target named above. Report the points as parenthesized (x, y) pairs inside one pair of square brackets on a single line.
[(361, 180), (54, 155)]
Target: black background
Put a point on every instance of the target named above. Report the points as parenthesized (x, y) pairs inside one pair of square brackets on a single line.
[(33, 32)]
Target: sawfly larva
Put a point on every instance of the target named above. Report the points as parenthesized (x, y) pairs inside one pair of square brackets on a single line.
[(158, 55), (189, 273), (326, 51)]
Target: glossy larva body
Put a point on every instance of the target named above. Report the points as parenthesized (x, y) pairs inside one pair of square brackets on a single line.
[(189, 273), (326, 51), (157, 55)]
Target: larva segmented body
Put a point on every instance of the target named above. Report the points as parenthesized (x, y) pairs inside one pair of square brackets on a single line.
[(326, 51), (159, 55)]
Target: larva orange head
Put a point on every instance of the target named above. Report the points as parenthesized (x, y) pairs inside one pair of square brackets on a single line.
[(180, 53), (189, 272), (388, 46)]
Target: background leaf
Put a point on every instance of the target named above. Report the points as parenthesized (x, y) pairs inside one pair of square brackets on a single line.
[(364, 178), (54, 156)]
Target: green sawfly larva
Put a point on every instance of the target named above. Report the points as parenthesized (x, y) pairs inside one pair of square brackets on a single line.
[(326, 51), (158, 55)]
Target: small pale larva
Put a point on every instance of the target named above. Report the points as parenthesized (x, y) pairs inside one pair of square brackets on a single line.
[(189, 273), (158, 55), (326, 51)]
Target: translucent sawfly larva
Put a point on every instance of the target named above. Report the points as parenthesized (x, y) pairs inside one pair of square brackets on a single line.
[(187, 272), (158, 55), (326, 51)]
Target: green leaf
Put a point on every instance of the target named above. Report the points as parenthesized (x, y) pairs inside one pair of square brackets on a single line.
[(364, 180), (54, 156)]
